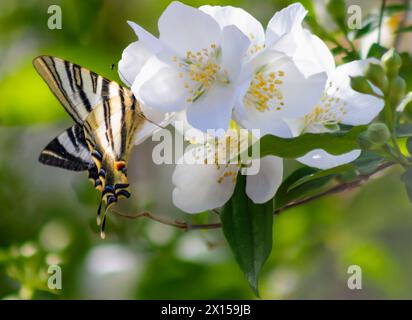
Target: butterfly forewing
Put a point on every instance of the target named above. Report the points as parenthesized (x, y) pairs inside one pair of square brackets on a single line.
[(81, 91), (78, 89)]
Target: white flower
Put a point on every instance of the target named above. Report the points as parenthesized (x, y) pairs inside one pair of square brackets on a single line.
[(284, 82), (289, 94), (286, 34), (137, 54), (340, 104), (131, 63), (195, 66), (204, 182)]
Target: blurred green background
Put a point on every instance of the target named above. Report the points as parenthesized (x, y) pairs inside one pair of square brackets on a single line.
[(47, 215)]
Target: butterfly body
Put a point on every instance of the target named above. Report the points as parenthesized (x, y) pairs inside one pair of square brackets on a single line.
[(107, 117)]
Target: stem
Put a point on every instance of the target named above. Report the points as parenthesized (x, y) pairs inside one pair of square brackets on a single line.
[(382, 10), (332, 39), (402, 24), (390, 120), (352, 46), (187, 226)]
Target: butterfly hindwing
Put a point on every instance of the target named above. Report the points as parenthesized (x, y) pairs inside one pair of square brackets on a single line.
[(68, 150)]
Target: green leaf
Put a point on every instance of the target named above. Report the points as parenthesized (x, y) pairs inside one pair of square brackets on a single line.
[(366, 29), (407, 180), (406, 68), (405, 29), (248, 230), (352, 55), (409, 145), (316, 28), (376, 51), (285, 194), (368, 162), (320, 174), (337, 50), (404, 130), (334, 143), (395, 8), (337, 10)]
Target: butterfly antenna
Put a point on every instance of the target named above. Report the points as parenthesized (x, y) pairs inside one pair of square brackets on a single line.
[(151, 121)]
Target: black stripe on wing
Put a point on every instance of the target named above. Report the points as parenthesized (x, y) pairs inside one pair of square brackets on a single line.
[(78, 89), (69, 150)]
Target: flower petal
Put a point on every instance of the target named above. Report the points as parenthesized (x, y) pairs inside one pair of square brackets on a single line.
[(299, 96), (213, 110), (200, 187), (296, 126), (321, 159), (240, 18), (133, 59), (150, 41), (262, 187), (359, 108), (183, 28), (256, 120), (234, 46), (300, 93), (287, 44), (287, 20), (314, 55), (286, 34), (160, 86), (309, 89), (189, 133), (156, 120)]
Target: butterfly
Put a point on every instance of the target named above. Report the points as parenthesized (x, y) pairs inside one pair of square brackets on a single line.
[(106, 119)]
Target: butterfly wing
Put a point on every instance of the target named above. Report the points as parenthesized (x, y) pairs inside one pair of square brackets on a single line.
[(113, 125), (78, 89), (68, 150), (107, 118)]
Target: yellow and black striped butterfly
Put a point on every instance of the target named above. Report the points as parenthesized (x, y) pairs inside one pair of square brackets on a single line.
[(107, 116)]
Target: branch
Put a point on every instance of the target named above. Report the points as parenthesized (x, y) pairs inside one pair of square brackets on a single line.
[(174, 223), (335, 189), (188, 226)]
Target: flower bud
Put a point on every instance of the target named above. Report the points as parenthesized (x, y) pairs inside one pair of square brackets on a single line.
[(377, 133), (398, 90), (360, 84), (364, 142), (391, 62), (375, 74)]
